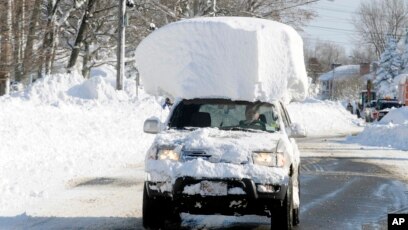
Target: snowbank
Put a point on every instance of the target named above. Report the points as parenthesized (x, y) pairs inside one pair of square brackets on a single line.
[(238, 58), (383, 135), (396, 116), (72, 88), (64, 128), (324, 118), (390, 132)]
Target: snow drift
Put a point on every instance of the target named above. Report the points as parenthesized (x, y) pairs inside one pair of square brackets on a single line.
[(390, 132), (228, 57), (324, 118), (64, 128)]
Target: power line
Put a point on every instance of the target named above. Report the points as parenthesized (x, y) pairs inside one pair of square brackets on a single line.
[(346, 30), (333, 28)]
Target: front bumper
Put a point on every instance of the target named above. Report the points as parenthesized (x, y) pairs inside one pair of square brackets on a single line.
[(253, 198)]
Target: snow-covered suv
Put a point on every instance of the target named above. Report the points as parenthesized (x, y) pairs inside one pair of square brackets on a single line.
[(208, 158)]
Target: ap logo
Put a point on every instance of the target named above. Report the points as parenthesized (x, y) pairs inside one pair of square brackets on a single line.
[(397, 221)]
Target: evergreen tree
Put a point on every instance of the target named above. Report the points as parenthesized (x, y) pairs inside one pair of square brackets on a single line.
[(404, 64), (390, 62)]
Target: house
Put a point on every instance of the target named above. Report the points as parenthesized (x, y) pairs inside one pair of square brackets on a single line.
[(343, 81)]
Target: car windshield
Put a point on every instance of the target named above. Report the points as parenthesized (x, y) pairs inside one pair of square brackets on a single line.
[(386, 105), (225, 114)]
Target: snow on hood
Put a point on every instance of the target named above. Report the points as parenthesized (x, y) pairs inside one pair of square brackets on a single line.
[(229, 151), (224, 146), (240, 58)]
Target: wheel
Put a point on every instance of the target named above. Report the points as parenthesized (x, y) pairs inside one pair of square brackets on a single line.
[(153, 214), (282, 217), (159, 213), (296, 211)]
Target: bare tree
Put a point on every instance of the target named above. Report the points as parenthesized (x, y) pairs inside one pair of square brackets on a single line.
[(328, 53), (28, 57), (375, 19), (79, 41), (6, 45)]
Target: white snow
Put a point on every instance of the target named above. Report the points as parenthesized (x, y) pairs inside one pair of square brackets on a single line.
[(324, 118), (51, 134), (231, 155), (390, 132), (227, 57), (396, 116)]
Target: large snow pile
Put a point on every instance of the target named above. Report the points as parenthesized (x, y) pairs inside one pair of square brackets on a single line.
[(73, 89), (64, 128), (324, 118), (390, 132), (396, 116), (238, 58)]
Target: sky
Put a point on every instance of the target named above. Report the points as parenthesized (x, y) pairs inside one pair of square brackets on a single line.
[(333, 23)]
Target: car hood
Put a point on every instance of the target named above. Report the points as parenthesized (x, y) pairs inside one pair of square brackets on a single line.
[(219, 145)]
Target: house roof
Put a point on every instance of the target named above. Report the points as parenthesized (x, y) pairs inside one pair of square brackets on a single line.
[(341, 73)]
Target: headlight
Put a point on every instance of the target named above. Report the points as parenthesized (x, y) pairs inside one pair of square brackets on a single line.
[(268, 159), (167, 154)]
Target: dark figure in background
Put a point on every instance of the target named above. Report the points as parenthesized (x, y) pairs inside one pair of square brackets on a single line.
[(167, 103), (349, 108)]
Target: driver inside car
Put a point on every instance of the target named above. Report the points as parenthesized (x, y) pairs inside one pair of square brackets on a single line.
[(253, 118)]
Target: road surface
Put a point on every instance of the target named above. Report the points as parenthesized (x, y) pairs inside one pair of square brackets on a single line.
[(343, 186)]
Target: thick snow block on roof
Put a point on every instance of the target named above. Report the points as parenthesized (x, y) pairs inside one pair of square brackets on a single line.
[(229, 57)]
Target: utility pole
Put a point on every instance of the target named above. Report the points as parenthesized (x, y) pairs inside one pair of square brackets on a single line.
[(121, 46)]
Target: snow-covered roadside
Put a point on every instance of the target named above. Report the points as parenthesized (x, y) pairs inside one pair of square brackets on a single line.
[(390, 132), (49, 137), (324, 118)]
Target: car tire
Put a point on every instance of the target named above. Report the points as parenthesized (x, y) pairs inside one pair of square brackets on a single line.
[(159, 213), (153, 215), (282, 216), (296, 211)]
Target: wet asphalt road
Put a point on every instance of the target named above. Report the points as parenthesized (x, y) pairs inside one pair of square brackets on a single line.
[(343, 194), (338, 193)]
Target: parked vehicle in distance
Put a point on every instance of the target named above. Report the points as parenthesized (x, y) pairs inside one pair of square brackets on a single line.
[(219, 156), (366, 99), (369, 109), (383, 107)]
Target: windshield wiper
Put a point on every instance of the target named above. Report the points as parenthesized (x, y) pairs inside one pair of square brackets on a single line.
[(189, 128), (237, 128)]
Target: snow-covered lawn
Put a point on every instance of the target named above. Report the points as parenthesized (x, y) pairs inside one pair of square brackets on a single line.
[(49, 137)]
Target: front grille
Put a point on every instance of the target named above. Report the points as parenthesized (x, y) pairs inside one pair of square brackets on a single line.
[(187, 155)]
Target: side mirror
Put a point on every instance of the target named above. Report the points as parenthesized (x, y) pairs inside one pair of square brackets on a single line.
[(152, 125), (297, 131)]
